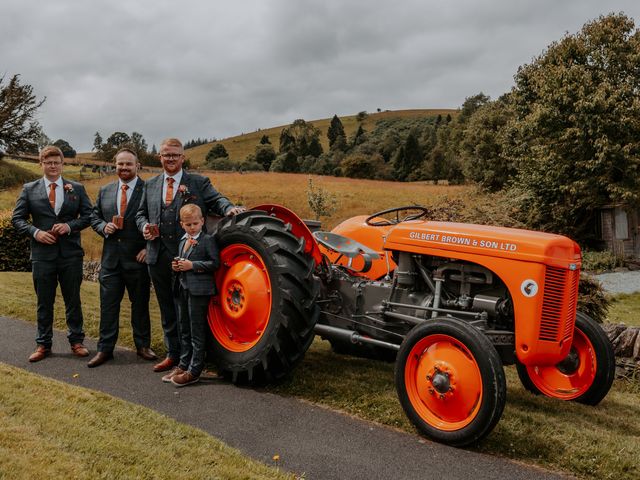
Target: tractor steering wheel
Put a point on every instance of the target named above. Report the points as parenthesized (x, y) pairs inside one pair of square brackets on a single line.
[(420, 212)]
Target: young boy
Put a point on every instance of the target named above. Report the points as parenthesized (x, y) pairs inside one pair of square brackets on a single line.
[(193, 287)]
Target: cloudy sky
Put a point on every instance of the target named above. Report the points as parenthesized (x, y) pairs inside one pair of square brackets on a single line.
[(201, 68)]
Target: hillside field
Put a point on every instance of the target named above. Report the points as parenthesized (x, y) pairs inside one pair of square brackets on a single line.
[(352, 196), (240, 146)]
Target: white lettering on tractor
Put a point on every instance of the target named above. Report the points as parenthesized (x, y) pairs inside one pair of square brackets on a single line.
[(457, 240)]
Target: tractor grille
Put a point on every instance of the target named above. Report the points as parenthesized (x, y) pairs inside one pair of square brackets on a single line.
[(559, 304)]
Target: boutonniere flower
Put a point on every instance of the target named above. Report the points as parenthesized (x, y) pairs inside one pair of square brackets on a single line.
[(185, 193), (68, 188)]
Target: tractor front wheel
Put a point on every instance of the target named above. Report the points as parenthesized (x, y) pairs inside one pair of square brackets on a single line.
[(263, 316), (450, 381), (585, 375)]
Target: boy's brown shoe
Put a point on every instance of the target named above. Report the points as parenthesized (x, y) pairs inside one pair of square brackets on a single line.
[(176, 371), (40, 353), (184, 379), (166, 364)]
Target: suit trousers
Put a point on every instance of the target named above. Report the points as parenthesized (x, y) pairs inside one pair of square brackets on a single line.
[(192, 315), (161, 276), (47, 274), (113, 282)]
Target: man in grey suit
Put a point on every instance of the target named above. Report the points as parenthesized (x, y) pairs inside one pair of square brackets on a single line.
[(123, 256), (53, 211), (157, 219)]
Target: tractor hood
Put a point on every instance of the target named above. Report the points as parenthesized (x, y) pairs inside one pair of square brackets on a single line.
[(439, 237)]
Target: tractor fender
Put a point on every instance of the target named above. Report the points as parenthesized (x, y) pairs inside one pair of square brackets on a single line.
[(298, 228)]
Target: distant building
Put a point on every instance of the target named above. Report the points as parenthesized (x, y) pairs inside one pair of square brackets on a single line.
[(617, 229)]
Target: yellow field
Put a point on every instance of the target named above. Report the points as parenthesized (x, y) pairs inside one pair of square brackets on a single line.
[(353, 197), (240, 146)]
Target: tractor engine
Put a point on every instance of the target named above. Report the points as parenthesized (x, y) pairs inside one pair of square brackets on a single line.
[(422, 287)]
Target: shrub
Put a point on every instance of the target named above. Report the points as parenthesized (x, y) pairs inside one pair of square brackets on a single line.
[(321, 202), (221, 163), (14, 247), (285, 163), (13, 175), (249, 164), (358, 165), (598, 262), (592, 299)]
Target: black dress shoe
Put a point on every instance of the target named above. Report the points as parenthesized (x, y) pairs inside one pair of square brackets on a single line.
[(99, 359), (146, 353)]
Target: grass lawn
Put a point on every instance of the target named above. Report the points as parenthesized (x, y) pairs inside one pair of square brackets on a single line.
[(81, 434), (600, 442), (625, 308)]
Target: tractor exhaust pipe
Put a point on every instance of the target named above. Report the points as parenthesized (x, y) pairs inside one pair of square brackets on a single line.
[(328, 331)]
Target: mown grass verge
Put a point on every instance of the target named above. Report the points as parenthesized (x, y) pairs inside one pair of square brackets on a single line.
[(600, 442), (49, 429)]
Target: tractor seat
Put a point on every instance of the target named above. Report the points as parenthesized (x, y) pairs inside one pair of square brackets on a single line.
[(347, 247)]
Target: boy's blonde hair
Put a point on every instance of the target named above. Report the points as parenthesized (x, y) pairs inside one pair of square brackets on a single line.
[(189, 210)]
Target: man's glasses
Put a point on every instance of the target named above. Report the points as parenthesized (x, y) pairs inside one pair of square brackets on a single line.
[(171, 156), (51, 164)]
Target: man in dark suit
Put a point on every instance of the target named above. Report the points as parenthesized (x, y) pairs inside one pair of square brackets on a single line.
[(53, 211), (157, 219), (123, 256)]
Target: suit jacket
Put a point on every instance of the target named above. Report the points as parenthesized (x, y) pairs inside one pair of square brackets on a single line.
[(122, 246), (206, 259), (200, 191), (33, 211)]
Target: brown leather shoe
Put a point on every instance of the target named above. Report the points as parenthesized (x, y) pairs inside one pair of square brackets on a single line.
[(40, 353), (99, 359), (166, 364), (79, 350), (146, 353), (175, 371), (184, 379)]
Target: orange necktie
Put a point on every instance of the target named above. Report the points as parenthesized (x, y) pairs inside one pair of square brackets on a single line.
[(169, 196), (123, 199), (52, 195)]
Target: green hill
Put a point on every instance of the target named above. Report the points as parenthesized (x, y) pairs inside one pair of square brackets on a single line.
[(240, 146)]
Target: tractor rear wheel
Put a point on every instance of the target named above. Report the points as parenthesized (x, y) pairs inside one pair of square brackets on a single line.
[(450, 381), (263, 316), (584, 376)]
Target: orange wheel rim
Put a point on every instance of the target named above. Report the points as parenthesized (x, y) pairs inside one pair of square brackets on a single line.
[(239, 314), (443, 382), (572, 377)]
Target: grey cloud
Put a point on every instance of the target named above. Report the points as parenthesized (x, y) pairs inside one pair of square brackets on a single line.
[(202, 68)]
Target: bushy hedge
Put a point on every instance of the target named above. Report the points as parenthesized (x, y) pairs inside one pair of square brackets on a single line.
[(13, 175), (14, 247), (592, 299)]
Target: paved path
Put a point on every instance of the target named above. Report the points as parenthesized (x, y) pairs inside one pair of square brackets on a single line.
[(319, 443), (620, 282)]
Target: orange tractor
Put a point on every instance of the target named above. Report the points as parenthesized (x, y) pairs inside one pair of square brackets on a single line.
[(451, 302)]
